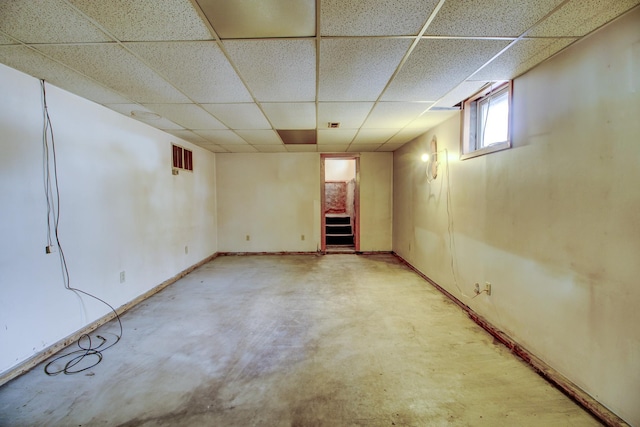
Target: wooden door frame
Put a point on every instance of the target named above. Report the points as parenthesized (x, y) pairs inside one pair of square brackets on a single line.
[(356, 196)]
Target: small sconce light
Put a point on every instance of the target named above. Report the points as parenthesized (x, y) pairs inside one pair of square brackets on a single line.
[(431, 159)]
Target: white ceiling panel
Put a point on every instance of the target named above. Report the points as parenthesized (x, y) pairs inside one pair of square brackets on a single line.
[(436, 66), (373, 17), (431, 119), (463, 91), (239, 116), (240, 148), (474, 18), (520, 57), (6, 40), (276, 70), (394, 115), (300, 115), (117, 69), (146, 20), (333, 148), (198, 69), (301, 148), (404, 136), (389, 147), (220, 137), (358, 69), (580, 17), (350, 115), (260, 137), (242, 19), (354, 148), (144, 115), (271, 148), (189, 116), (35, 64), (187, 135), (213, 148), (51, 21), (374, 136), (336, 136)]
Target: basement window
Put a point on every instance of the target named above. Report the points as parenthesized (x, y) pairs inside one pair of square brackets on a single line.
[(486, 119), (181, 158)]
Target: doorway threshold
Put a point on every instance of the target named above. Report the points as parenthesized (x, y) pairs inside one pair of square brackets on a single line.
[(340, 249)]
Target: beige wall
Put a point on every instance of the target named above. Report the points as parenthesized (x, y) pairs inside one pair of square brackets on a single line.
[(553, 223), (376, 201)]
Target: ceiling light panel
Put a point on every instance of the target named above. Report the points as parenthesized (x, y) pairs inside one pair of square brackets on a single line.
[(463, 91), (150, 118), (436, 66), (187, 135), (117, 69), (350, 115), (189, 116), (146, 20), (260, 137), (374, 136), (336, 136), (291, 115), (580, 17), (221, 137), (358, 69), (52, 21), (489, 19), (243, 19), (37, 65), (239, 116), (199, 69), (394, 115), (522, 56), (276, 70), (373, 17)]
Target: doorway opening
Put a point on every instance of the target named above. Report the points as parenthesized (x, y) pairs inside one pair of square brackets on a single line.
[(340, 200)]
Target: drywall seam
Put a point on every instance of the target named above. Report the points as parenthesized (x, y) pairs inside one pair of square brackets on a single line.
[(581, 397), (54, 348)]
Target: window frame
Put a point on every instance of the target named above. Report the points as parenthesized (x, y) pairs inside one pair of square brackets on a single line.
[(470, 121)]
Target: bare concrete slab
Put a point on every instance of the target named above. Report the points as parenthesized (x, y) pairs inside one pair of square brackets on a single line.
[(339, 340)]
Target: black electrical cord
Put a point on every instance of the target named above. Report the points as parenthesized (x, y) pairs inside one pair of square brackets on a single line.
[(85, 342)]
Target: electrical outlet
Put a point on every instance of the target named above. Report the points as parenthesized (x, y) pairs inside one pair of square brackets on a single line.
[(477, 288), (186, 250), (248, 237), (302, 237), (49, 249), (122, 277), (487, 288)]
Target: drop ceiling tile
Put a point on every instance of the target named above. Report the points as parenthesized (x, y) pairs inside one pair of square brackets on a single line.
[(394, 115), (52, 21), (213, 148), (187, 135), (241, 19), (404, 136), (189, 116), (271, 148), (373, 17), (220, 137), (260, 137), (146, 20), (37, 65), (358, 69), (336, 136), (198, 69), (117, 69), (291, 115), (436, 66), (302, 148), (333, 148), (463, 91), (497, 18), (389, 147), (239, 116), (580, 17), (354, 148), (276, 70), (144, 115), (522, 56), (431, 119), (373, 136), (350, 115), (236, 148), (6, 40)]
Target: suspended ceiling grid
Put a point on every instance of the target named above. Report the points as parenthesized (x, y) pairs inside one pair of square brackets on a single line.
[(228, 75)]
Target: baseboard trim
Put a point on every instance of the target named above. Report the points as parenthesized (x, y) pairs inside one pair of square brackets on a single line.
[(44, 354), (598, 410), (307, 253)]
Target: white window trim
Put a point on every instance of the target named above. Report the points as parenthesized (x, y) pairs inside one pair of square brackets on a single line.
[(465, 144)]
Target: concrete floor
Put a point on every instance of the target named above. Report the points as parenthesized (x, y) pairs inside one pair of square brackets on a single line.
[(339, 340)]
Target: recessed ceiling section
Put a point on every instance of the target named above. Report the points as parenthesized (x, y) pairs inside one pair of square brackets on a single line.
[(297, 136), (244, 19), (276, 70)]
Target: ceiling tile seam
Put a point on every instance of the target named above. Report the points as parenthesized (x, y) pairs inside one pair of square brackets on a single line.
[(318, 41), (213, 32), (404, 59)]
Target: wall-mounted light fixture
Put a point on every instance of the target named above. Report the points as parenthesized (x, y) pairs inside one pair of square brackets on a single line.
[(431, 159)]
